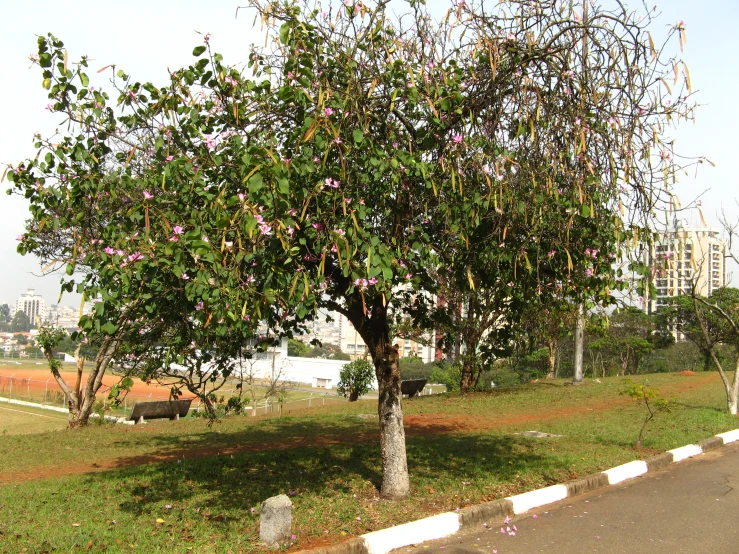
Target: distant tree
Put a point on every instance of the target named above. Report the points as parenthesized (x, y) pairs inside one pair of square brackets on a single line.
[(21, 323), (355, 379), (705, 328), (298, 348), (724, 305), (4, 313), (20, 339)]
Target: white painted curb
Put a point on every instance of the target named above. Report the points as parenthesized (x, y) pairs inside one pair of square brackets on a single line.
[(443, 525), (729, 436), (533, 499), (427, 529), (626, 471), (685, 452)]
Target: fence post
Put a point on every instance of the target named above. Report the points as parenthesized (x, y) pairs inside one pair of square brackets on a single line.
[(46, 392), (310, 399), (11, 385), (323, 400)]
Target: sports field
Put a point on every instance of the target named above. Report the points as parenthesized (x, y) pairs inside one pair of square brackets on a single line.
[(21, 420)]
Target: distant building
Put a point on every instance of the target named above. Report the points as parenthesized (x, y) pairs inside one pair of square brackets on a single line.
[(33, 305), (684, 257)]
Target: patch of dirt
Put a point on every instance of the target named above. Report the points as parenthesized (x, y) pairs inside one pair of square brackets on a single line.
[(38, 380), (688, 373), (414, 425)]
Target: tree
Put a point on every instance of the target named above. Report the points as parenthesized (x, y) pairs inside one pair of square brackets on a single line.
[(21, 323), (706, 328), (298, 349), (355, 379), (363, 153), (723, 304)]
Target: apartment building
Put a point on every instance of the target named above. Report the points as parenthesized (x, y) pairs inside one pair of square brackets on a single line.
[(684, 257)]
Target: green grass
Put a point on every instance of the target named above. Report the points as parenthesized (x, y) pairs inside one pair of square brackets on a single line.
[(211, 504), (22, 420)]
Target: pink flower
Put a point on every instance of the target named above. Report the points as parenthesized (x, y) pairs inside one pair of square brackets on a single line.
[(589, 272), (247, 317), (178, 230), (109, 251), (148, 195), (135, 256), (265, 229), (328, 111), (199, 306), (20, 237), (169, 158), (174, 239), (456, 139), (210, 143), (231, 81), (120, 252), (337, 140), (185, 277), (551, 253)]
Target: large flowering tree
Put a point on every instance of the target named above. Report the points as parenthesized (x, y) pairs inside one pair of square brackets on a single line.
[(358, 157)]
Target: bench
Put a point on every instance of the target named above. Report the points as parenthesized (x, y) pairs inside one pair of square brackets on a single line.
[(412, 387), (159, 409)]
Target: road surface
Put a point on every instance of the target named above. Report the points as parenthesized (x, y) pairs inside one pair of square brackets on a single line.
[(691, 506)]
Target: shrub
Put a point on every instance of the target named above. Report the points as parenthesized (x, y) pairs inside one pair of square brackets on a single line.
[(355, 379)]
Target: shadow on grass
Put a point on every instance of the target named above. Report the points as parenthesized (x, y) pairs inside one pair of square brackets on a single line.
[(227, 485)]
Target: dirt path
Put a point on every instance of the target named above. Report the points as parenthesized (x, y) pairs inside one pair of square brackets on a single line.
[(415, 425)]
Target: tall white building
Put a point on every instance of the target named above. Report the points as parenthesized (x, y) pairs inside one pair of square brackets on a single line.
[(33, 305), (684, 257)]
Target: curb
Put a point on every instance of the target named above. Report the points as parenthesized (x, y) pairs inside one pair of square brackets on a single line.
[(448, 523)]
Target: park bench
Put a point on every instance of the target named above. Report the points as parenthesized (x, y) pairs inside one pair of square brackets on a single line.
[(159, 409), (412, 387)]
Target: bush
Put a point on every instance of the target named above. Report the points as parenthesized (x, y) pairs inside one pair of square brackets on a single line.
[(414, 368), (355, 379), (447, 374)]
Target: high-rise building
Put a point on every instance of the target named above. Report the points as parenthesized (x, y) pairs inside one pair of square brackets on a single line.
[(33, 305), (683, 258)]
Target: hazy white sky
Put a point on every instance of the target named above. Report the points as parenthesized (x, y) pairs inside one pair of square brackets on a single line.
[(145, 38)]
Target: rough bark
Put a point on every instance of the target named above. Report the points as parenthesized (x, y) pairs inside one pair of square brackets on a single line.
[(579, 331), (81, 401), (552, 346), (395, 482)]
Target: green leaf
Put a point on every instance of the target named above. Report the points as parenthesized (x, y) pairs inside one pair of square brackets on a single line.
[(358, 136), (255, 183), (284, 33), (198, 50), (84, 79)]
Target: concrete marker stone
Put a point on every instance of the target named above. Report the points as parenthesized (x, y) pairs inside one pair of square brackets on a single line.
[(276, 520)]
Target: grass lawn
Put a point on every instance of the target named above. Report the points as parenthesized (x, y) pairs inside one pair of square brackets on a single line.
[(22, 420), (189, 487)]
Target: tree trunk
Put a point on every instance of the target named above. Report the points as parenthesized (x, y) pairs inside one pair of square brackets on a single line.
[(579, 331), (706, 360), (353, 396), (552, 345), (81, 401), (395, 482)]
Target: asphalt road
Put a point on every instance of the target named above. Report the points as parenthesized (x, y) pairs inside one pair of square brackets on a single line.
[(691, 506)]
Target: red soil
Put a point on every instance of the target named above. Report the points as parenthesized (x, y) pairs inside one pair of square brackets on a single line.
[(39, 378)]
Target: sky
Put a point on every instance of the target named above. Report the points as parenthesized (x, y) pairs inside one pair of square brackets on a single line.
[(146, 38)]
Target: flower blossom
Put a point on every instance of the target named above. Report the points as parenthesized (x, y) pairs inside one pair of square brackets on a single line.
[(135, 257), (328, 111), (199, 306), (185, 277), (178, 230), (148, 195), (456, 139)]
